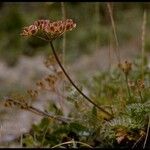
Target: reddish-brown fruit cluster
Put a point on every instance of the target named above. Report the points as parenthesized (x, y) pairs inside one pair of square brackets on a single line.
[(13, 102), (126, 67), (51, 29), (30, 30), (42, 24), (140, 84), (137, 86), (50, 62), (33, 93), (132, 85)]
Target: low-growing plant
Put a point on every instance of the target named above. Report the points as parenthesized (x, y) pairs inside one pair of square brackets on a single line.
[(115, 113)]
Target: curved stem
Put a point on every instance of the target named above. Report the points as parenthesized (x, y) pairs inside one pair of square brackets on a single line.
[(68, 77)]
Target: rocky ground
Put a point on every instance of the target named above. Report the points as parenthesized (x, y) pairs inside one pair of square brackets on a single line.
[(15, 122)]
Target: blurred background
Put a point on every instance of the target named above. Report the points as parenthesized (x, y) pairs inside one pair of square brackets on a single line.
[(93, 27), (89, 47)]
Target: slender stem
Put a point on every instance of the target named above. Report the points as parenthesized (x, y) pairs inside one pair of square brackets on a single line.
[(59, 118), (97, 20), (143, 41), (41, 113), (126, 78), (63, 10), (139, 139), (45, 133), (140, 93), (21, 137), (114, 30), (147, 132), (64, 35), (109, 55), (68, 77)]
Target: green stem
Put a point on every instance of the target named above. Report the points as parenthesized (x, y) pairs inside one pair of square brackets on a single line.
[(45, 134), (128, 89), (140, 95)]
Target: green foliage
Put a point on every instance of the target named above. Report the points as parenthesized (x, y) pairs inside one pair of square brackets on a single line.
[(49, 133), (131, 116)]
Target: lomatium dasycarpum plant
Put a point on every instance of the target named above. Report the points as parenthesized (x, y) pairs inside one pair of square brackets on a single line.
[(132, 116), (127, 129), (49, 31)]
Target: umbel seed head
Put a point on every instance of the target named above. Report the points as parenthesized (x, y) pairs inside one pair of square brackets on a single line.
[(49, 28), (29, 31)]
